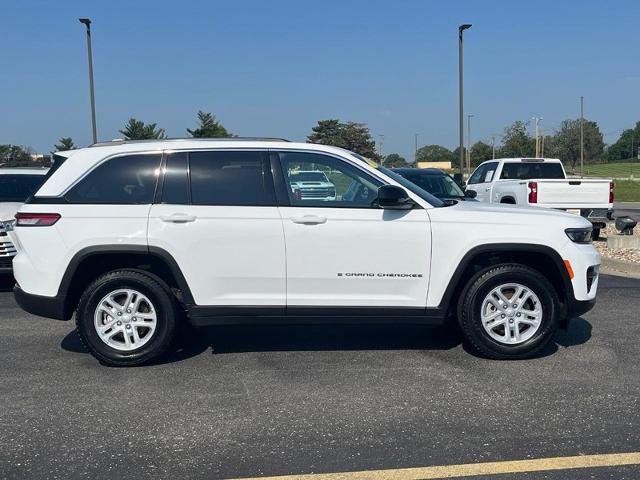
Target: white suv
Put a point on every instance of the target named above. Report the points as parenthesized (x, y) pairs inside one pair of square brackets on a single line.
[(16, 185), (137, 237)]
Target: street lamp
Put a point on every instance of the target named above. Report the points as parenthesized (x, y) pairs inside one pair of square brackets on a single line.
[(461, 29), (87, 23), (415, 155), (469, 117)]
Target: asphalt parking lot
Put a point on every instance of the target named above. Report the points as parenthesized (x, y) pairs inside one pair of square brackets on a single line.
[(251, 401)]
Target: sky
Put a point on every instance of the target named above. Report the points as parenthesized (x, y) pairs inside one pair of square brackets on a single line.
[(274, 68)]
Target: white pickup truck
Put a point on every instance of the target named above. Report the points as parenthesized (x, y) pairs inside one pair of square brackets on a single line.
[(543, 182)]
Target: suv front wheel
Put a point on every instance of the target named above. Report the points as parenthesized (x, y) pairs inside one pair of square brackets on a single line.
[(126, 318), (509, 311)]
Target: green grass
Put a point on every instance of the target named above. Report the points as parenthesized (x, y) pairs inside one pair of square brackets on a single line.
[(625, 169), (627, 191)]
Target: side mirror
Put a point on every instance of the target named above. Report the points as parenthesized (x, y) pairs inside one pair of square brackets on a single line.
[(394, 198), (470, 193)]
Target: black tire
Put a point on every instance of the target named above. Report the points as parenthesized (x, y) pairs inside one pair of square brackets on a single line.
[(473, 295), (596, 234), (155, 290)]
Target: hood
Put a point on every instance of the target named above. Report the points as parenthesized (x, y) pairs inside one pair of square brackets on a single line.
[(501, 213), (8, 210)]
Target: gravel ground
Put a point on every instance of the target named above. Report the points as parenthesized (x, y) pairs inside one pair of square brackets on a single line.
[(626, 254)]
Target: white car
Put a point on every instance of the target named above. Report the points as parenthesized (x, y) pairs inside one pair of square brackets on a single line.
[(312, 184), (542, 182), (137, 237), (16, 185)]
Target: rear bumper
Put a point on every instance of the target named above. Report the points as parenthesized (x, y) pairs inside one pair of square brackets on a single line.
[(48, 307)]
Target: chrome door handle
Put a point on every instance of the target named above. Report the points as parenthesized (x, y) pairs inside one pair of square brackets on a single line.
[(178, 218), (487, 189), (309, 220)]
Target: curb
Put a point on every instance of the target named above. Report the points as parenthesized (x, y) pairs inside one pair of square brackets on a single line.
[(630, 269)]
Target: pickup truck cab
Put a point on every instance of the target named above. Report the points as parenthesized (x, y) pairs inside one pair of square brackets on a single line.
[(138, 237), (543, 182)]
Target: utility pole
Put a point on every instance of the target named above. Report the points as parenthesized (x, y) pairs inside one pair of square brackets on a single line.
[(415, 156), (493, 146), (537, 120), (461, 29), (381, 146), (469, 117), (87, 23), (581, 136), (542, 154)]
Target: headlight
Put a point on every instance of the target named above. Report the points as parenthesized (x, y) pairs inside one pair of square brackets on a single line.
[(580, 235)]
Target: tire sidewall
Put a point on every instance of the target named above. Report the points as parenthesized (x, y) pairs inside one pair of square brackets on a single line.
[(162, 304), (480, 288)]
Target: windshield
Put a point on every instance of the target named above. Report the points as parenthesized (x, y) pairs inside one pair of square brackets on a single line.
[(17, 188), (308, 177), (442, 186)]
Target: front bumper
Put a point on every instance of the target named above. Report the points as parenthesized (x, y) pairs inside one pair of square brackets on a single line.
[(577, 308), (48, 307)]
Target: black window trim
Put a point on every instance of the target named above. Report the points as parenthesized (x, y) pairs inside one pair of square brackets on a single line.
[(281, 182)]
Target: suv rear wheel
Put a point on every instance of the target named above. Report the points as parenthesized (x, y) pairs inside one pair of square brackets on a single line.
[(509, 311), (127, 318)]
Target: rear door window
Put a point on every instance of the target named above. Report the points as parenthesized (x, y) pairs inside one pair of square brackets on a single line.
[(123, 180), (239, 178)]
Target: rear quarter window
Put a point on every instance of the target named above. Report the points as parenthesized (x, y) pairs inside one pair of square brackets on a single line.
[(123, 180)]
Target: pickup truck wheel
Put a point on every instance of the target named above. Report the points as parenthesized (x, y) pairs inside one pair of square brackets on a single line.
[(126, 318), (596, 234), (509, 311)]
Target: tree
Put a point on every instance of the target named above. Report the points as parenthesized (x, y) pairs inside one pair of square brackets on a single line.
[(351, 136), (326, 132), (393, 160), (15, 156), (138, 130), (434, 153), (209, 127), (566, 142), (516, 141), (480, 152), (621, 150), (64, 144)]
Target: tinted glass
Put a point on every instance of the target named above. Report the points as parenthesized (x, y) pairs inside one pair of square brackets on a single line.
[(438, 185), (229, 178), (335, 183), (526, 171), (478, 175), (412, 187), (175, 189), (129, 179), (17, 188)]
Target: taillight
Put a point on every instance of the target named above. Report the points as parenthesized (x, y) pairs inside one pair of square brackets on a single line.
[(533, 192), (36, 219), (611, 187)]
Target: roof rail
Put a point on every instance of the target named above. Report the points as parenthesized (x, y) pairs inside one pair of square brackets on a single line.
[(122, 141)]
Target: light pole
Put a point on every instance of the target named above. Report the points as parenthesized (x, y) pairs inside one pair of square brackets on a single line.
[(381, 146), (461, 29), (581, 136), (469, 117), (493, 146), (537, 120), (415, 155), (87, 23)]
